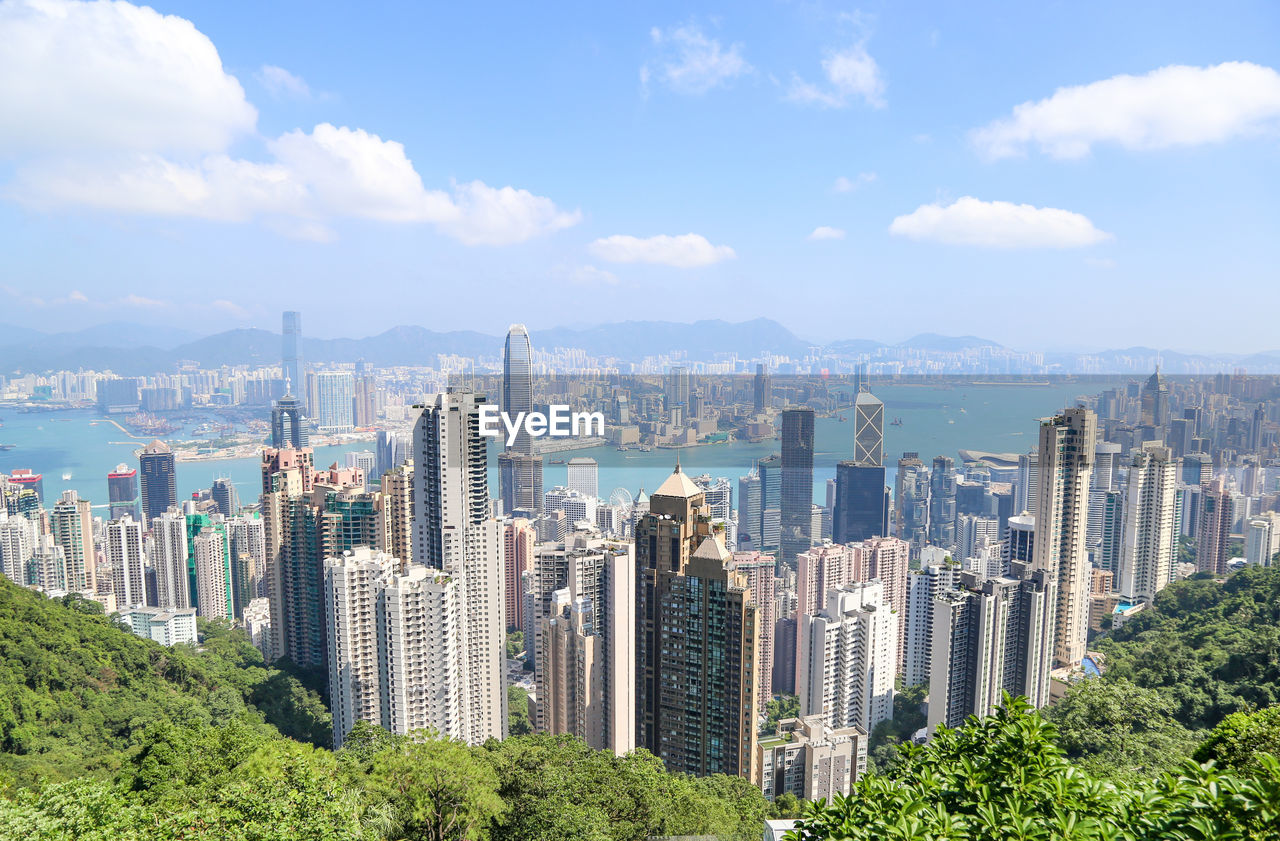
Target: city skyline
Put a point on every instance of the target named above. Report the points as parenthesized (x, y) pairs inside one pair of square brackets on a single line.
[(967, 166)]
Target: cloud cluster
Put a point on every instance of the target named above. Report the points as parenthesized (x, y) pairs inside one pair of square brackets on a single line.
[(1172, 106), (117, 107), (998, 224), (690, 62), (851, 74), (684, 251)]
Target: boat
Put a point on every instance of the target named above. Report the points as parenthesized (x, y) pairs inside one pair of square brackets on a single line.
[(66, 477), (557, 461), (896, 422), (4, 448), (623, 448)]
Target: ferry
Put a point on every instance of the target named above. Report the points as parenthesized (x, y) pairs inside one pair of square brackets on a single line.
[(66, 477), (557, 461), (4, 448)]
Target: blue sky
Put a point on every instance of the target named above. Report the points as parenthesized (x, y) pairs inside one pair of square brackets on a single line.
[(673, 161)]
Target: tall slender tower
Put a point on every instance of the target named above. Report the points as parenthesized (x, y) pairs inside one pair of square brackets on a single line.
[(291, 355), (1146, 554), (697, 640), (1065, 467), (124, 552), (455, 532), (72, 525), (520, 477), (797, 484), (159, 479), (1217, 512)]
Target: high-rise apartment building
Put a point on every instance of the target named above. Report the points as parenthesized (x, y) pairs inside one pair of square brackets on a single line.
[(796, 484), (1065, 465), (1217, 513), (991, 636), (923, 588), (759, 570), (1147, 552), (212, 554), (167, 552), (455, 532), (888, 561), (827, 567), (71, 523), (397, 510), (1261, 539), (811, 760), (847, 659), (159, 480), (17, 546), (335, 391), (518, 538), (128, 562), (696, 640)]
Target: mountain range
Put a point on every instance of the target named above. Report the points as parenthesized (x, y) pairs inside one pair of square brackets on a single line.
[(137, 350)]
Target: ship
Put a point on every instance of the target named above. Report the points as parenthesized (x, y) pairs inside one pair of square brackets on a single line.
[(896, 422), (557, 461), (4, 448)]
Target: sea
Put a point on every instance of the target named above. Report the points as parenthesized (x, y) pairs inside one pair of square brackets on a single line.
[(78, 448)]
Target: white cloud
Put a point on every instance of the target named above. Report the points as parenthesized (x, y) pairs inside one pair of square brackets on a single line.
[(281, 83), (692, 63), (851, 73), (142, 302), (825, 232), (848, 185), (998, 224), (230, 308), (684, 251), (112, 76), (1176, 105), (153, 90)]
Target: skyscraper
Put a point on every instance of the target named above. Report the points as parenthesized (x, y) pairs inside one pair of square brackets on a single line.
[(225, 497), (942, 502), (455, 532), (335, 391), (289, 423), (520, 474), (584, 476), (696, 640), (1065, 461), (125, 554), (862, 503), (212, 554), (770, 529), (291, 356), (991, 636), (1147, 551), (1217, 513), (759, 571), (518, 537), (167, 552), (911, 501), (923, 588), (71, 523), (159, 479), (868, 430), (762, 390), (848, 658), (122, 491), (749, 512), (796, 518)]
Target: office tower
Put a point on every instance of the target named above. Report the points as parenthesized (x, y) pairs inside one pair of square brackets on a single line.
[(29, 485), (291, 358), (586, 648), (225, 497), (811, 760), (397, 511), (911, 501), (364, 400), (719, 494), (518, 537), (862, 503), (396, 652), (1261, 539), (167, 551), (159, 480), (520, 483), (1217, 513), (454, 531), (122, 491), (17, 546), (677, 388), (848, 658), (923, 588), (214, 598), (942, 503), (991, 636), (289, 423), (1028, 483), (584, 476), (1197, 468), (888, 560), (334, 390), (770, 528), (827, 567), (364, 461), (759, 571), (1106, 465), (1155, 401), (868, 430), (696, 640), (749, 511), (71, 523), (797, 484), (1146, 555), (128, 562), (762, 390), (520, 468), (1065, 460)]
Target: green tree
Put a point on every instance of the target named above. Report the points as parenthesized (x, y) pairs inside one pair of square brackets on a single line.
[(437, 789), (778, 708), (1241, 739), (518, 721), (515, 644)]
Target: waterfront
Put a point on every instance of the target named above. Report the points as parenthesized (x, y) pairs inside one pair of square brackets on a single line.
[(935, 421)]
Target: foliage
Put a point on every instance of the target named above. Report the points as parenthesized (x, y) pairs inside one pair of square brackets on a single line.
[(515, 644), (1240, 740), (1114, 729), (77, 690), (435, 789), (779, 707), (1003, 777), (518, 721), (908, 717)]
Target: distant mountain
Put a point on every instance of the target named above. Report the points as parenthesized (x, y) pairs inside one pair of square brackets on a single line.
[(634, 340), (938, 342)]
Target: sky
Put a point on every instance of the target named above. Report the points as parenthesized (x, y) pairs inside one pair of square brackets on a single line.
[(1053, 176)]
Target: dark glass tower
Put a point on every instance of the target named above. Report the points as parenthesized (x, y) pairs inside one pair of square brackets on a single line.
[(797, 484), (520, 474), (159, 479), (862, 503), (122, 491)]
